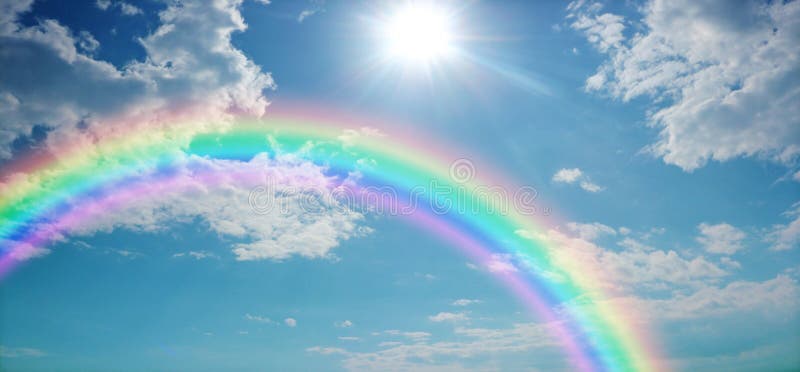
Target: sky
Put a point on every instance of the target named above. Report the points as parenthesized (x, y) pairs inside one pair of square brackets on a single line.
[(663, 137)]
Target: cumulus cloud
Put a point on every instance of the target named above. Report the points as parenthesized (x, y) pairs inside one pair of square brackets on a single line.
[(190, 62), (572, 175), (291, 322), (289, 228), (721, 238), (448, 317), (779, 296), (723, 77), (128, 9), (590, 231), (567, 175), (636, 268)]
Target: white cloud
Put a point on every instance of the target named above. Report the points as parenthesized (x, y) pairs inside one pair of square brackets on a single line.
[(20, 352), (189, 62), (124, 7), (448, 317), (412, 335), (286, 230), (197, 255), (590, 231), (638, 267), (426, 276), (603, 30), (103, 4), (259, 319), (721, 238), (591, 187), (785, 237), (461, 354), (126, 253), (128, 9), (291, 322), (326, 350), (26, 252), (87, 42), (572, 175), (723, 77), (465, 302), (349, 338), (501, 263), (316, 6), (774, 297), (343, 324), (565, 175)]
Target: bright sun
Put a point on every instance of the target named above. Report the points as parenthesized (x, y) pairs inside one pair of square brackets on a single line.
[(418, 33)]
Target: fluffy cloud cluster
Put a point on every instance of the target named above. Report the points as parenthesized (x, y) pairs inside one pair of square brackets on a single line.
[(448, 317), (776, 296), (289, 227), (573, 175), (721, 238), (191, 70), (124, 8), (636, 267), (190, 62), (724, 76)]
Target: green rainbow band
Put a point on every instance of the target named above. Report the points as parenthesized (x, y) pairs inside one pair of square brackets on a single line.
[(41, 192)]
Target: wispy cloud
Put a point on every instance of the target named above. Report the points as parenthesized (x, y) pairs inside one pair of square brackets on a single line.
[(20, 352), (786, 236), (343, 324), (465, 302), (259, 319), (469, 343), (315, 6), (197, 255)]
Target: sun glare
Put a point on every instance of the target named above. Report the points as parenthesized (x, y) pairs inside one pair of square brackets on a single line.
[(418, 33)]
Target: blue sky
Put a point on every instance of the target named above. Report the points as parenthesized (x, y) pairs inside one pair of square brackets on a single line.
[(664, 136)]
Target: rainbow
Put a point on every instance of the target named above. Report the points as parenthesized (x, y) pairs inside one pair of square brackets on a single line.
[(45, 197)]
